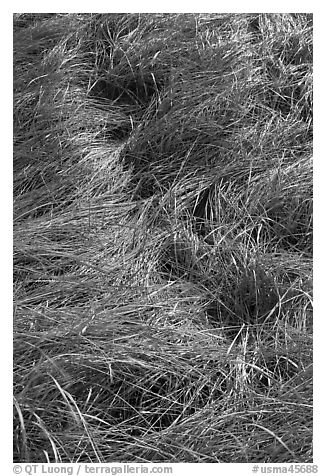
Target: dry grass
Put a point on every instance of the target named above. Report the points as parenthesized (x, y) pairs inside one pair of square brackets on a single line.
[(163, 238)]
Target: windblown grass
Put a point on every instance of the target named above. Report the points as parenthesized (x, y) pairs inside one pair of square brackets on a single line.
[(163, 238)]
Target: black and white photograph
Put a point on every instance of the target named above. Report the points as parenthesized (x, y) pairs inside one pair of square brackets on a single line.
[(162, 241)]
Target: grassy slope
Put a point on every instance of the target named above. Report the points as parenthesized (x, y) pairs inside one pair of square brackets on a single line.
[(163, 238)]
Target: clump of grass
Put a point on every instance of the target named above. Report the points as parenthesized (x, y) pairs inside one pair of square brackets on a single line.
[(163, 238)]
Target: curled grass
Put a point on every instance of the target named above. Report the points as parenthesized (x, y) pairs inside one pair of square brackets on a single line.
[(163, 238)]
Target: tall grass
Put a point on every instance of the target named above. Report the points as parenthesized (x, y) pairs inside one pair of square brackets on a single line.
[(163, 237)]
